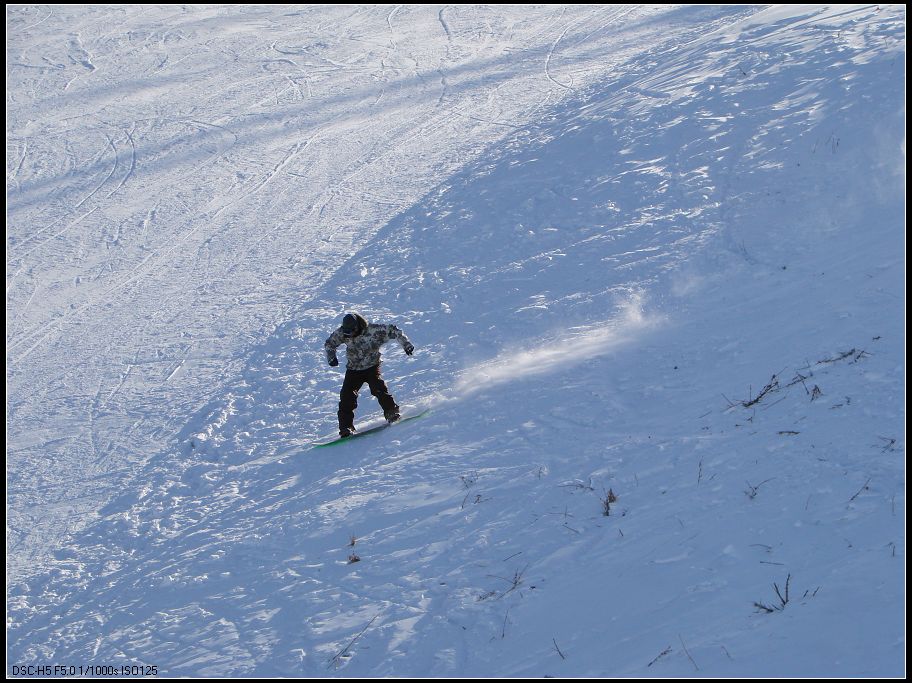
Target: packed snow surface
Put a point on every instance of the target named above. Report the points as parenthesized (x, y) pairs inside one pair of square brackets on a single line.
[(653, 262)]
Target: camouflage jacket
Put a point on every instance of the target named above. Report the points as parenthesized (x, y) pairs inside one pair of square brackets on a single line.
[(363, 351)]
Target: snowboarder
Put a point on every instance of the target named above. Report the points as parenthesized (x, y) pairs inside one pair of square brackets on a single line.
[(362, 347)]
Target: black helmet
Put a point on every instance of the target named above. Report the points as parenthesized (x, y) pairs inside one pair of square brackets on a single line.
[(351, 325)]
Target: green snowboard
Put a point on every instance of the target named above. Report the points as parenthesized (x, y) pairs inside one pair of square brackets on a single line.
[(372, 430)]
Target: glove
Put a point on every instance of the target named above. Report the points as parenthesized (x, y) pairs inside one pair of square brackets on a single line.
[(334, 362), (409, 349)]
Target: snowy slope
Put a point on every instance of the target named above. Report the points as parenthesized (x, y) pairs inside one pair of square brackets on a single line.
[(179, 179), (668, 262)]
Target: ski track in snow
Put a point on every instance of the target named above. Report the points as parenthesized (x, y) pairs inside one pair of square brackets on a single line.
[(603, 229), (170, 159)]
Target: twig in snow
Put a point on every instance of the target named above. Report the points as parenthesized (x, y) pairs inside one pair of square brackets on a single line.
[(558, 649), (478, 499), (515, 582), (783, 601), (687, 653), (345, 649), (607, 501), (800, 378), (468, 481), (841, 356), (659, 656), (772, 385), (889, 445), (752, 493), (863, 488)]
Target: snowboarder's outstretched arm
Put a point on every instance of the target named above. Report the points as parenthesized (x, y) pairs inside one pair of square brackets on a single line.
[(334, 342), (393, 332)]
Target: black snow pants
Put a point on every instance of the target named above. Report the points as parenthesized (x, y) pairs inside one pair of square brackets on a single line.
[(348, 398)]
